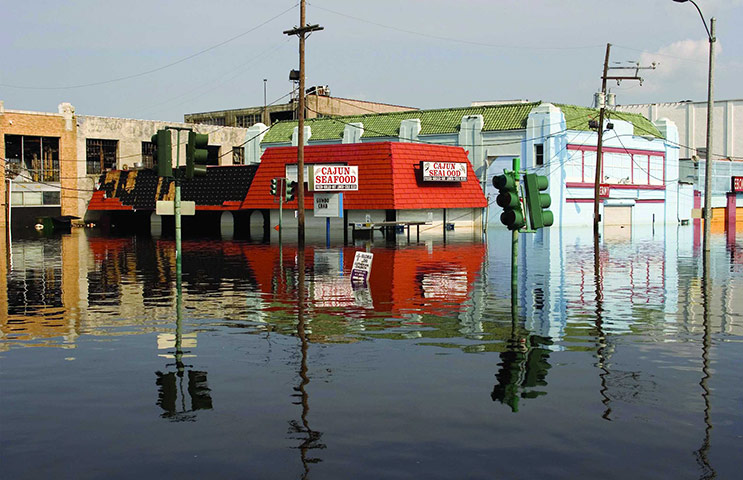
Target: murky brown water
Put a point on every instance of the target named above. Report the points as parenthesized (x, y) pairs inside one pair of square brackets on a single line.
[(613, 365)]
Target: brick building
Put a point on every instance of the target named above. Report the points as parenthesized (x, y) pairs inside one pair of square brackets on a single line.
[(38, 152)]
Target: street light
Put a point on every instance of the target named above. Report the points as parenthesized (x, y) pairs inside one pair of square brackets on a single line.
[(710, 105)]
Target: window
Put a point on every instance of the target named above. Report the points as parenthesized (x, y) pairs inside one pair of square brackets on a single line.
[(656, 170), (619, 167), (50, 198), (247, 120), (574, 166), (35, 158), (219, 121), (238, 155), (539, 154), (640, 169), (212, 155), (100, 155), (148, 154)]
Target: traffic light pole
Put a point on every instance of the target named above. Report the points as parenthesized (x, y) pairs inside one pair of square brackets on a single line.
[(515, 254), (282, 192), (177, 204)]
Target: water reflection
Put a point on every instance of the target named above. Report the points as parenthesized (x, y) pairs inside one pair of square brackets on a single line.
[(628, 329), (309, 439), (523, 369)]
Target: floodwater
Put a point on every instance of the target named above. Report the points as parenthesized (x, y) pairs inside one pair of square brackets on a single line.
[(618, 361)]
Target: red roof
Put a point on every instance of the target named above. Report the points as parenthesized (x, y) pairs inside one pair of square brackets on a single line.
[(389, 176)]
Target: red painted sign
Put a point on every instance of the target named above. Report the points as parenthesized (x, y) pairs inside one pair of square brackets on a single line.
[(604, 191), (738, 184)]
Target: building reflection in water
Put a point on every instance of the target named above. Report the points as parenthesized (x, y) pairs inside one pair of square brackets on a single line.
[(61, 288)]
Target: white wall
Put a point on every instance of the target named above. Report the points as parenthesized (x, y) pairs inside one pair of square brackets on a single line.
[(691, 119)]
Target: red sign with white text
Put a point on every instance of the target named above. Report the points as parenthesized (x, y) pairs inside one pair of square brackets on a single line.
[(738, 184), (604, 191)]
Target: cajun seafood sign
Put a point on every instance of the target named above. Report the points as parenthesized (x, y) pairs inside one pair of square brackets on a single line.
[(334, 178), (444, 171)]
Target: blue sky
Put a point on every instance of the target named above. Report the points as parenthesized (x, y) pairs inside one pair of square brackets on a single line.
[(161, 59)]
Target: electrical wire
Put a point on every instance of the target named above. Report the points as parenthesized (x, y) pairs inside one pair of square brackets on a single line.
[(163, 67), (450, 39), (221, 79)]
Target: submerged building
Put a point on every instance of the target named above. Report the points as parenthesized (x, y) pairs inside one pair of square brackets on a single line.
[(640, 180), (52, 162)]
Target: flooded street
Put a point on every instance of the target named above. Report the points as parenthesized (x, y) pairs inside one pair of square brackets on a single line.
[(269, 364)]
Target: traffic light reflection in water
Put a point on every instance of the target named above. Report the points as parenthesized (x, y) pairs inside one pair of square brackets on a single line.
[(427, 361)]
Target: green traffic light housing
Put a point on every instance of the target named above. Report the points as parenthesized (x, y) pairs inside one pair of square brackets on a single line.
[(274, 186), (162, 156), (538, 202), (510, 200), (291, 190), (197, 154)]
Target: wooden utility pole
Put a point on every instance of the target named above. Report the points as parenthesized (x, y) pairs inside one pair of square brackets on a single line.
[(301, 31), (599, 152), (602, 115)]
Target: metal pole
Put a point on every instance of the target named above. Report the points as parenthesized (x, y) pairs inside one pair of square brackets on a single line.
[(8, 215), (177, 202), (265, 107), (710, 115), (327, 232), (515, 253), (599, 150), (282, 192), (300, 133)]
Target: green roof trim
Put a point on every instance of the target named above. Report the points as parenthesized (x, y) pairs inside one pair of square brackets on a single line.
[(448, 120)]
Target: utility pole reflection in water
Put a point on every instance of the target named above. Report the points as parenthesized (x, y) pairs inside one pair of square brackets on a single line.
[(310, 439), (600, 335), (170, 384), (703, 453)]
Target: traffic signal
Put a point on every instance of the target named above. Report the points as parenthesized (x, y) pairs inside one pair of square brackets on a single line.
[(509, 199), (162, 156), (196, 154), (537, 202), (291, 190), (274, 186)]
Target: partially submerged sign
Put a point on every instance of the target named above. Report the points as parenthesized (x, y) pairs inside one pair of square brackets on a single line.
[(361, 269), (328, 204), (444, 171), (334, 178)]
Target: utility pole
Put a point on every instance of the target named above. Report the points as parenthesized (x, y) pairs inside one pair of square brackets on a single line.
[(599, 146), (301, 31), (602, 115), (710, 116), (265, 107)]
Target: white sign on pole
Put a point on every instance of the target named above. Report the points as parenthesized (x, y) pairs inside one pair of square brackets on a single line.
[(361, 269), (444, 171), (328, 204), (167, 207), (334, 178)]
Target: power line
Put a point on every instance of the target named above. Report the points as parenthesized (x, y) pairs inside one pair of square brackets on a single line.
[(450, 39), (163, 67)]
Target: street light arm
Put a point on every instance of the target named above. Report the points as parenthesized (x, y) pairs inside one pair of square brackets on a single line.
[(711, 38)]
